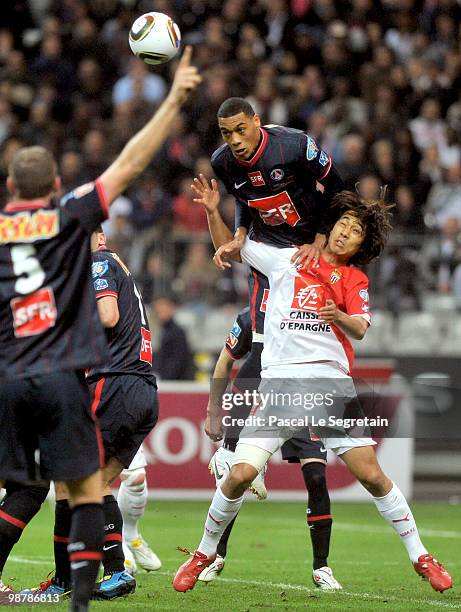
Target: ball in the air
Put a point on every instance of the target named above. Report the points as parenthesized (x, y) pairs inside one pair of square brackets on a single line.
[(154, 38)]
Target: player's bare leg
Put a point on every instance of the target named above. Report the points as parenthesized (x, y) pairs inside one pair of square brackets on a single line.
[(394, 509), (225, 505)]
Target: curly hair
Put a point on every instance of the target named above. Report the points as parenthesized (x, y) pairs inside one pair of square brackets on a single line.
[(375, 216)]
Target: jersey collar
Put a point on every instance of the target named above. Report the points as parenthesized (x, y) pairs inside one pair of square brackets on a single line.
[(257, 154), (26, 205)]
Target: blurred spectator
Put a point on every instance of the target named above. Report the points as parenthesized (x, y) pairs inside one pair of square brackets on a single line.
[(51, 65), (118, 228), (151, 203), (188, 216), (71, 170), (343, 110), (444, 200), (95, 153), (173, 360), (6, 120), (197, 276), (352, 161), (401, 287), (268, 104), (428, 128), (139, 83), (441, 255), (369, 186), (156, 276), (407, 215)]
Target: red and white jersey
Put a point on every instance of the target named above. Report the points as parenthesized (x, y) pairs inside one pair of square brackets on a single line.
[(293, 332)]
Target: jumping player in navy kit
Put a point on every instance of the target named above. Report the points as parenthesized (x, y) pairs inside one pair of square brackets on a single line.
[(51, 330), (242, 342)]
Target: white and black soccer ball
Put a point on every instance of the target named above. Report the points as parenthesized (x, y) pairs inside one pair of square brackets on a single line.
[(154, 38)]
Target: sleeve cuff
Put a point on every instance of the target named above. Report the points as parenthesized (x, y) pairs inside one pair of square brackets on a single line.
[(230, 353), (364, 316), (107, 294)]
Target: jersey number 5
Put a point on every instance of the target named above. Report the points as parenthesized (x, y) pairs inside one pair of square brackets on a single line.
[(276, 209), (27, 267)]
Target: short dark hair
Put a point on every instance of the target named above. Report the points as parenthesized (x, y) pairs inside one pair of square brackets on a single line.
[(374, 215), (234, 106), (33, 171)]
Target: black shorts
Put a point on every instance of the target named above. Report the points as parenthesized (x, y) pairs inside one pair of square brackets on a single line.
[(51, 413), (127, 409), (295, 449)]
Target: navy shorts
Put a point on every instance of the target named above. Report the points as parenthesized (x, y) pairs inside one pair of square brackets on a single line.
[(127, 409), (295, 449), (50, 413)]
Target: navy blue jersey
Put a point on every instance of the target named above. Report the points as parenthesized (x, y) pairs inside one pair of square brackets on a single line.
[(275, 191), (238, 342), (258, 289), (129, 340), (49, 319)]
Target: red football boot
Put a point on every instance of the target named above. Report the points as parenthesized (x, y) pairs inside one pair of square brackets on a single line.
[(434, 572), (187, 575)]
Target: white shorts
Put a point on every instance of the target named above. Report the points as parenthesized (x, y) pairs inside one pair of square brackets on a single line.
[(139, 461), (270, 439)]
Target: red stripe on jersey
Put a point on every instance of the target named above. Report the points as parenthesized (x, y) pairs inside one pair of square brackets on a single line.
[(102, 197), (312, 519), (107, 294), (259, 151), (85, 555), (97, 395), (61, 539), (253, 301), (12, 520), (26, 205), (326, 171), (113, 537)]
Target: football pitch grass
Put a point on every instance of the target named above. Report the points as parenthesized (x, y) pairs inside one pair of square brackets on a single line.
[(269, 560)]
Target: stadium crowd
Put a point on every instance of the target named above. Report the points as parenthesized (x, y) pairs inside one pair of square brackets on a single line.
[(376, 82)]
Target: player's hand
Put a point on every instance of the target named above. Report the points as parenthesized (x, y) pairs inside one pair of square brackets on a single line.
[(186, 78), (306, 254), (213, 427), (206, 195), (227, 252), (329, 313)]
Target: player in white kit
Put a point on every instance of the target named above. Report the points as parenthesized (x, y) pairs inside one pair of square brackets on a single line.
[(310, 312)]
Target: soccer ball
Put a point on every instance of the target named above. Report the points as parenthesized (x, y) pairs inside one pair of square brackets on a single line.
[(154, 38)]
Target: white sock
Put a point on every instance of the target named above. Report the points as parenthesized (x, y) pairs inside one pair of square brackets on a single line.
[(395, 510), (132, 500), (220, 514)]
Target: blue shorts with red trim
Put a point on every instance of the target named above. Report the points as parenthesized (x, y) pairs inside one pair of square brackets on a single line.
[(50, 413), (126, 407)]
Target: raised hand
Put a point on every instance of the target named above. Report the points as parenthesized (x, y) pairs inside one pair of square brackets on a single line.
[(186, 78), (206, 195)]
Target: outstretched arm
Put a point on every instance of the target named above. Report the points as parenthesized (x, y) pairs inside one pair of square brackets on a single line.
[(208, 196), (139, 151), (218, 385)]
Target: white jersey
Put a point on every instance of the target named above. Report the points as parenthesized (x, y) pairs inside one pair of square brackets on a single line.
[(293, 332)]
